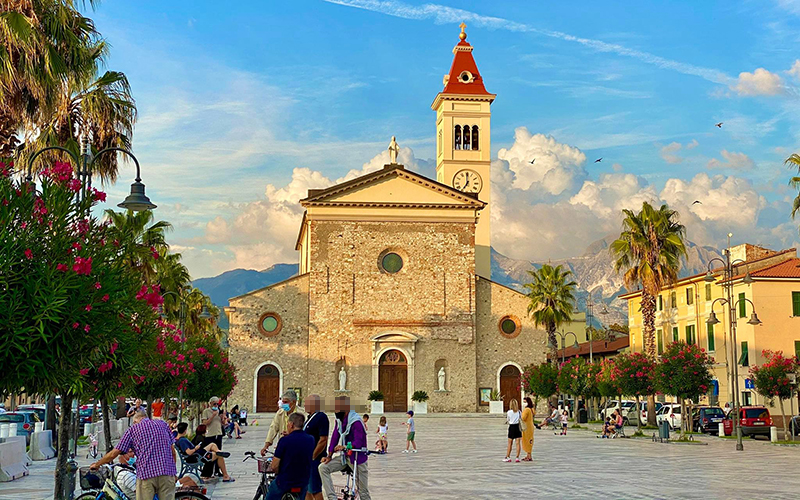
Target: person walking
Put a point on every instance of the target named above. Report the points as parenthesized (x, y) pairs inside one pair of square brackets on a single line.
[(317, 426), (280, 421), (151, 442), (411, 432), (527, 429), (514, 434), (348, 430), (211, 419), (564, 422)]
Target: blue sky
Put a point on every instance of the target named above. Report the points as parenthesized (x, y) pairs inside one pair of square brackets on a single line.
[(243, 108)]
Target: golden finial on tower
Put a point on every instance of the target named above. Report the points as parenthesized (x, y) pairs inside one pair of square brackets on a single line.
[(463, 34)]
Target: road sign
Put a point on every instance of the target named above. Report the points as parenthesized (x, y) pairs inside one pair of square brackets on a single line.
[(748, 383)]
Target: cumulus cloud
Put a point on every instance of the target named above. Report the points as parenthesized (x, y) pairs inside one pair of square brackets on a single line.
[(795, 69), (668, 152), (692, 144), (736, 161), (759, 82)]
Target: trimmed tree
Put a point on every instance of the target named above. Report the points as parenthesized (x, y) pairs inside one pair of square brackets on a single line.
[(541, 381), (634, 377), (771, 379), (574, 378), (684, 372)]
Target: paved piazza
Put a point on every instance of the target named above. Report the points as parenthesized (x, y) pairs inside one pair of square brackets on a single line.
[(460, 457)]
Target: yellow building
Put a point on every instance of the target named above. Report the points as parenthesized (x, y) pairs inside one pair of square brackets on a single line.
[(683, 308)]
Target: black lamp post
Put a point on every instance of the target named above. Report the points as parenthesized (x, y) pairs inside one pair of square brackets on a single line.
[(563, 350), (727, 300)]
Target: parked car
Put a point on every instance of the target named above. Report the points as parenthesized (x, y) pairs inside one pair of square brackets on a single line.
[(25, 421), (85, 416), (672, 414), (755, 421), (706, 419), (631, 415), (795, 425), (624, 408), (38, 409)]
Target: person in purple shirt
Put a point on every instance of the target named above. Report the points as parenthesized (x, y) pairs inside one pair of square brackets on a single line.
[(348, 429)]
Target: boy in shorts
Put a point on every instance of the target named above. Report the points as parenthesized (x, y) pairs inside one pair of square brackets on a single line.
[(411, 432)]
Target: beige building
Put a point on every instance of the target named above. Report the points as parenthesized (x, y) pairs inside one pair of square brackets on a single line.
[(683, 308), (394, 291)]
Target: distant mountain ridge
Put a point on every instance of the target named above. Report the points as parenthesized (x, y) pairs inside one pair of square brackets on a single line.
[(594, 273)]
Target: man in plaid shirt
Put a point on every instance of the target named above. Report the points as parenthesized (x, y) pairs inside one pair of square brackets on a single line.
[(151, 441)]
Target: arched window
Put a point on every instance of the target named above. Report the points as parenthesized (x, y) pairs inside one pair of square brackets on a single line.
[(475, 143), (457, 143), (466, 137)]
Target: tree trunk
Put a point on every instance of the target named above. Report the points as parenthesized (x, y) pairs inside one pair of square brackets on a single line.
[(649, 344), (783, 414), (121, 413), (106, 424), (638, 415), (150, 408), (689, 419), (535, 406), (551, 339), (683, 418), (61, 480)]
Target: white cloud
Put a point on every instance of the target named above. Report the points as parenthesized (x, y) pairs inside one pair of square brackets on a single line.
[(795, 69), (759, 82), (668, 152), (692, 144), (736, 161)]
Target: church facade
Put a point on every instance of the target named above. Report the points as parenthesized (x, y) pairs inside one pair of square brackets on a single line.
[(394, 290)]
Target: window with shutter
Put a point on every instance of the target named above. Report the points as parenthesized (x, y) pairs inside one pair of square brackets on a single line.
[(689, 296), (660, 303), (690, 334), (742, 306), (708, 292), (797, 348), (673, 300), (744, 359), (795, 303), (711, 343), (675, 334), (660, 341)]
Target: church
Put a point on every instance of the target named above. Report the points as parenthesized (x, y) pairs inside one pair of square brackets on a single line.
[(394, 290)]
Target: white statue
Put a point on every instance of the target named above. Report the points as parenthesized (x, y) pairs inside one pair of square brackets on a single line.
[(441, 379), (342, 379), (394, 149)]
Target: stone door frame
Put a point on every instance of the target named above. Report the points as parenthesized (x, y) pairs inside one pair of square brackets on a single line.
[(521, 390), (255, 382), (397, 340)]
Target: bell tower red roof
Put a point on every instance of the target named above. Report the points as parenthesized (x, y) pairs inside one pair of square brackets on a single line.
[(464, 77)]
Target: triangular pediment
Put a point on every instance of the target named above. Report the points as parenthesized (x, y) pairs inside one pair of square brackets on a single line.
[(392, 186)]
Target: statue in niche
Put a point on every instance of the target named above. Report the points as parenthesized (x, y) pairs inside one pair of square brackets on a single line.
[(442, 376), (342, 380)]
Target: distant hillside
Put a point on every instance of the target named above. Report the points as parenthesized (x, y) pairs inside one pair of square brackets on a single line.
[(239, 281)]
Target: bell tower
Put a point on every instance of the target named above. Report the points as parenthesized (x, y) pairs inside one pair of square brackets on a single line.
[(463, 147)]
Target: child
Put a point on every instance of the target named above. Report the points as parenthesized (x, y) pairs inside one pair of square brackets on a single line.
[(365, 419), (383, 428), (411, 432), (564, 422)]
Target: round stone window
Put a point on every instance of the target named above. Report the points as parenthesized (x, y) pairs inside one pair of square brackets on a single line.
[(509, 326), (270, 324), (392, 263)]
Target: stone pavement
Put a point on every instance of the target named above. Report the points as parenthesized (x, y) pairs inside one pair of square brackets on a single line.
[(461, 457)]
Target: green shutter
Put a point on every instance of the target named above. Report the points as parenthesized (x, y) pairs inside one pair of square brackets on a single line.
[(742, 306), (673, 300), (675, 334), (690, 334), (708, 291), (689, 296), (711, 346), (795, 303), (660, 340), (797, 348), (744, 359), (660, 303)]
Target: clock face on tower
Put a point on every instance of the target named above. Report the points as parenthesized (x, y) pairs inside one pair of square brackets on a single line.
[(467, 181)]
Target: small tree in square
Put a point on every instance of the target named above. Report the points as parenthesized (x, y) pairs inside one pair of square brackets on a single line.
[(772, 379), (634, 376), (607, 385), (684, 372), (573, 379), (541, 381)]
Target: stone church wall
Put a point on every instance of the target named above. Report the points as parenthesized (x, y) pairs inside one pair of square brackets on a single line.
[(494, 350), (288, 349)]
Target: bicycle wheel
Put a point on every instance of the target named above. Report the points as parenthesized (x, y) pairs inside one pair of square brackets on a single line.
[(185, 495), (97, 495)]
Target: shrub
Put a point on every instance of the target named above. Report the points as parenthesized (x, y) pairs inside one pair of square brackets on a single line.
[(419, 396), (375, 396)]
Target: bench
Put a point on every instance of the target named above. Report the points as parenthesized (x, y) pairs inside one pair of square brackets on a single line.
[(189, 466)]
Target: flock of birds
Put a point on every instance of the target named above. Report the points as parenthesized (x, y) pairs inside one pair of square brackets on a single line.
[(696, 202)]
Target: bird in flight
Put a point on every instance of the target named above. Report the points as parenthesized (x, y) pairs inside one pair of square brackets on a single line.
[(696, 202), (718, 125), (598, 160), (533, 161)]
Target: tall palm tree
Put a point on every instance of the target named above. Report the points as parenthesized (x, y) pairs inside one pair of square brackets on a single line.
[(141, 240), (649, 251), (552, 300), (794, 162)]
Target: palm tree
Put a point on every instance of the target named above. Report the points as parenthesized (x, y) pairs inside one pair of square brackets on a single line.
[(141, 241), (552, 300), (649, 251), (794, 162)]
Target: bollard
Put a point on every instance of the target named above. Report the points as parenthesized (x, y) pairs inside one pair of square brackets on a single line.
[(4, 430), (88, 428), (12, 430), (38, 427), (721, 430), (773, 434)]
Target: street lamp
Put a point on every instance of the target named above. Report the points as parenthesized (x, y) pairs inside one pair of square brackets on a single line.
[(136, 201), (563, 349), (589, 310), (727, 300)]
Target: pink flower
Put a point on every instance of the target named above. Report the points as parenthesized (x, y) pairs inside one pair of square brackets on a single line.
[(98, 286), (154, 252), (23, 225), (28, 254), (98, 195), (62, 267), (84, 371), (114, 347), (88, 307), (86, 328), (105, 298), (75, 325), (105, 367), (82, 266), (181, 357), (74, 185)]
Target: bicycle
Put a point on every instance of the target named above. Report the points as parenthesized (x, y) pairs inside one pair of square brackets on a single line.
[(92, 446), (267, 476), (350, 489), (101, 484)]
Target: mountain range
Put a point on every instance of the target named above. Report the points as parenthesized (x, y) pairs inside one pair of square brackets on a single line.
[(593, 270)]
